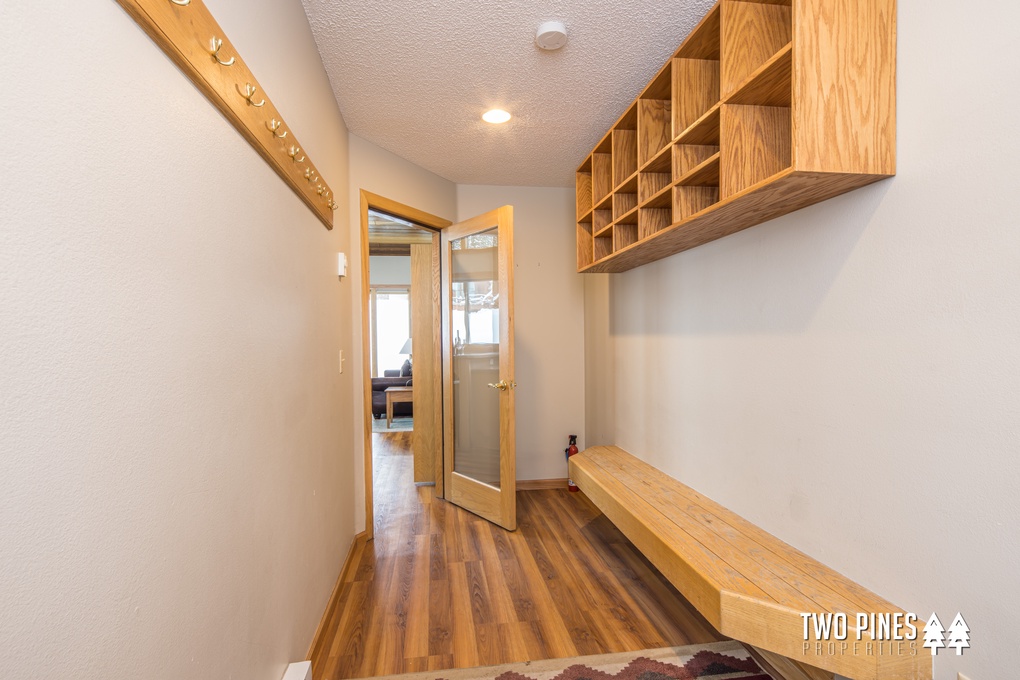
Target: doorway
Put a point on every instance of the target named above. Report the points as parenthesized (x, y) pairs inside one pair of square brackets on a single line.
[(463, 439), (393, 230)]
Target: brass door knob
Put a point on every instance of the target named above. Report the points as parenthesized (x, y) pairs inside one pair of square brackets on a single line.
[(502, 386)]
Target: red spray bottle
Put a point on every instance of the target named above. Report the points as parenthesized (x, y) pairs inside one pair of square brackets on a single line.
[(571, 450)]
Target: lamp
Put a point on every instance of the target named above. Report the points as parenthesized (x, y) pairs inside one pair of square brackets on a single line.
[(406, 349)]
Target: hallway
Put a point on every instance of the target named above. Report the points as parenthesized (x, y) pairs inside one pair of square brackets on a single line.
[(440, 588)]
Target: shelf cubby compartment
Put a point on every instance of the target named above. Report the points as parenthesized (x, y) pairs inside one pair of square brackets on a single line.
[(624, 235), (690, 200), (695, 69), (704, 174), (584, 196), (757, 145), (624, 136), (602, 171), (703, 131), (623, 203), (654, 109), (752, 33), (585, 244), (651, 184), (696, 90), (770, 85), (651, 220), (604, 244), (705, 41), (686, 157), (697, 186)]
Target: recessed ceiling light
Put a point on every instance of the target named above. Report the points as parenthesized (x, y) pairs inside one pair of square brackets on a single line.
[(496, 116)]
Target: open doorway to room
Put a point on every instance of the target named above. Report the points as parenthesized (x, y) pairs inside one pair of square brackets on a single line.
[(389, 318), (402, 354)]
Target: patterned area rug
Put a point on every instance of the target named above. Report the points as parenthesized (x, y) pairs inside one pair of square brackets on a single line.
[(715, 661), (400, 424)]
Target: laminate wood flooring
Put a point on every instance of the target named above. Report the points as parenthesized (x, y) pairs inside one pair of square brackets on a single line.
[(441, 588)]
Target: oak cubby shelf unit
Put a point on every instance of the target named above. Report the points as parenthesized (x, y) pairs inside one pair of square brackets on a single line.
[(767, 107)]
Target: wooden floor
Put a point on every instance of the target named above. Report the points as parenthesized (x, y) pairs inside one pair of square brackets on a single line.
[(440, 588)]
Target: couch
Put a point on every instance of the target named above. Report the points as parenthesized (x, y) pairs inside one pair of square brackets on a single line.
[(379, 385)]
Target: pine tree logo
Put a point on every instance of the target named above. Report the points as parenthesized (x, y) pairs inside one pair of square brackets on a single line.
[(934, 634), (959, 634)]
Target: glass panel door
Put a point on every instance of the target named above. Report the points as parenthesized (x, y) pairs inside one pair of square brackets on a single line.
[(475, 323), (478, 385)]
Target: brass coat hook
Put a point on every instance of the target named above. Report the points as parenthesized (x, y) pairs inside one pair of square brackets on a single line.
[(274, 127), (310, 176), (214, 49), (293, 152), (249, 92), (319, 189)]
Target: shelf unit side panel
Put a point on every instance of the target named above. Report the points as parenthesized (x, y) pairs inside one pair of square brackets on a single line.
[(844, 86)]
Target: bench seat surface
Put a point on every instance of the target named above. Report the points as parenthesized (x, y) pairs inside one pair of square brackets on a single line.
[(749, 584)]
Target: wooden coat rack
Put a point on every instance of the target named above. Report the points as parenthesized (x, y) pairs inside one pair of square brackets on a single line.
[(188, 33)]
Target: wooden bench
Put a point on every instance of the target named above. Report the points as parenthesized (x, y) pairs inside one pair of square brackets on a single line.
[(748, 584)]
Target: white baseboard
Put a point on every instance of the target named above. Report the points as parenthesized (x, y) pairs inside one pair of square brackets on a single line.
[(302, 670)]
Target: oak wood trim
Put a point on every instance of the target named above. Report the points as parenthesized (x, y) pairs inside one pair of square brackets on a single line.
[(541, 484), (334, 599), (428, 407), (183, 33), (381, 203)]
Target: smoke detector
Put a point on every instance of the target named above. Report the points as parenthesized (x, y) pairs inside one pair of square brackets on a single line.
[(551, 35)]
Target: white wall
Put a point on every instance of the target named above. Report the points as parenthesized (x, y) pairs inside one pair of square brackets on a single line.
[(176, 475), (390, 270), (385, 174), (848, 377), (549, 321)]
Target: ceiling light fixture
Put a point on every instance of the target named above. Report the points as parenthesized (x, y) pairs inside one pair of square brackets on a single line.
[(551, 35), (496, 116)]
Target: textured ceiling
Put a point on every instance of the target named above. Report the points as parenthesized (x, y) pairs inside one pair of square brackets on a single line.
[(414, 77)]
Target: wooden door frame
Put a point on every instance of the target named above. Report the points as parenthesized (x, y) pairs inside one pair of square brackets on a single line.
[(370, 201)]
